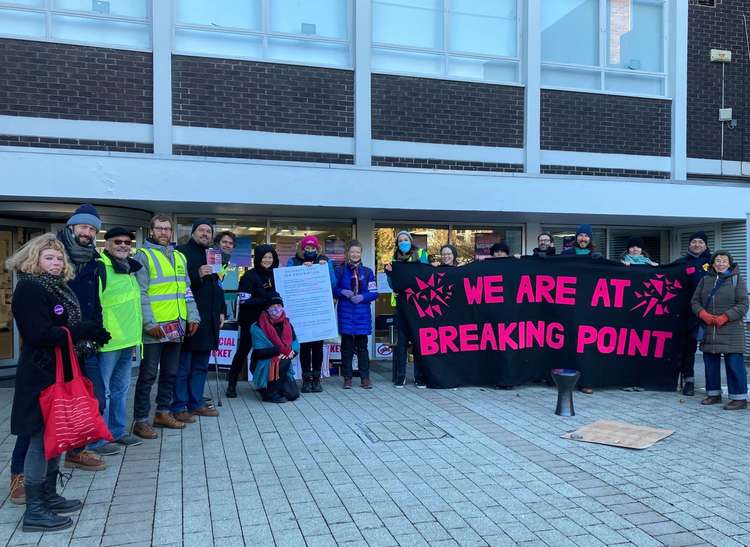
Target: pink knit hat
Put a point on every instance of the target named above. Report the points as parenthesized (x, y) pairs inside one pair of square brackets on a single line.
[(309, 240)]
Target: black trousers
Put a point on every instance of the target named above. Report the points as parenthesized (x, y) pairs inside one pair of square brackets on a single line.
[(687, 366), (244, 345), (311, 358), (351, 344)]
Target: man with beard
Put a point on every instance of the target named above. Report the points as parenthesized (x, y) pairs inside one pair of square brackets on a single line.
[(169, 314), (546, 245), (188, 401), (697, 262), (79, 239)]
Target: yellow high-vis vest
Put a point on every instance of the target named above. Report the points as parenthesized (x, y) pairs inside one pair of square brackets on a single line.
[(167, 285), (120, 298)]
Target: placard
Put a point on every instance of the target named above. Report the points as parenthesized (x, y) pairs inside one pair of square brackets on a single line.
[(308, 301)]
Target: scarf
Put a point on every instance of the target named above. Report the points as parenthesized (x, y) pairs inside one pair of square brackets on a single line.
[(637, 259), (355, 275), (119, 266), (282, 341), (79, 256)]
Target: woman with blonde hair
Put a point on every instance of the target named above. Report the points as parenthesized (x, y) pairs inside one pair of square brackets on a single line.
[(43, 307)]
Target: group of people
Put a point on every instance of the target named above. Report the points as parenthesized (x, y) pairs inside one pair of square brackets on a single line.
[(718, 305), (165, 305)]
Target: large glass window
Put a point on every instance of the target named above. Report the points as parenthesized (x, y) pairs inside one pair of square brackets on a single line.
[(471, 39), (298, 31), (613, 45), (333, 237), (115, 23)]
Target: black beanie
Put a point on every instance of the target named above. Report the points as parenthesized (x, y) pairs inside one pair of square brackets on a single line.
[(700, 234), (274, 298), (118, 231), (634, 242), (204, 220), (502, 246)]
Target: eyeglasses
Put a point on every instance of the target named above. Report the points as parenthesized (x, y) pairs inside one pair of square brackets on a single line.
[(121, 242)]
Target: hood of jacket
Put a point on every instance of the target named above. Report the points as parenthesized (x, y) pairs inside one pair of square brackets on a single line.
[(258, 254)]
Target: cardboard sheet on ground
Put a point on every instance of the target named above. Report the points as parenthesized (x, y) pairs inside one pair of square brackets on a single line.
[(618, 434)]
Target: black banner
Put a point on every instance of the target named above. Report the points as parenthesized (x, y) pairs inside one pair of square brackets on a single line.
[(509, 321)]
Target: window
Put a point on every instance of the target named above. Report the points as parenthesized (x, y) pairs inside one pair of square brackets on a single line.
[(295, 31), (114, 23), (463, 39), (612, 45)]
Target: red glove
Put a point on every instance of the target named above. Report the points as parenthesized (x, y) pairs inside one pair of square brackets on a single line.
[(707, 318), (722, 320)]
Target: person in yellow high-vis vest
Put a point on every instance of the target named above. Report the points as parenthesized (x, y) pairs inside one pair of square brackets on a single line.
[(120, 297), (169, 315)]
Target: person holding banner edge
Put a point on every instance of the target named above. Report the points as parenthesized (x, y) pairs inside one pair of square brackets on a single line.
[(405, 251), (311, 353), (355, 290), (255, 288), (448, 256), (720, 301), (697, 262)]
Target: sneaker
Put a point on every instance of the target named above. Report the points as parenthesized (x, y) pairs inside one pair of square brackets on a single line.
[(17, 490), (86, 460), (165, 419), (419, 384), (144, 430), (205, 411), (347, 383), (711, 400), (129, 440), (736, 404), (185, 416), (688, 389), (400, 383), (109, 449), (366, 383)]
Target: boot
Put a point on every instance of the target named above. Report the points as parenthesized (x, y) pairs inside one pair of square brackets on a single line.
[(347, 383), (17, 491), (53, 500), (38, 517), (232, 389), (316, 386), (306, 384), (736, 404), (711, 400), (688, 389)]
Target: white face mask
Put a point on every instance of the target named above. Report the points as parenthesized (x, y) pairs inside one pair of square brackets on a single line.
[(275, 311)]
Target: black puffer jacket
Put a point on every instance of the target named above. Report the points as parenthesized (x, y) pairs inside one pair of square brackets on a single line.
[(255, 286)]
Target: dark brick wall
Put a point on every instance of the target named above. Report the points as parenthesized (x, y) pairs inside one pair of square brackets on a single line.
[(446, 112), (610, 124), (603, 172), (76, 144), (46, 80), (722, 28), (260, 154), (231, 94), (453, 165)]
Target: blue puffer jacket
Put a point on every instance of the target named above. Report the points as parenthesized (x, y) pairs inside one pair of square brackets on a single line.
[(355, 318)]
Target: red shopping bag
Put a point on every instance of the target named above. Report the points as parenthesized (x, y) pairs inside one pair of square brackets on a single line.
[(70, 410)]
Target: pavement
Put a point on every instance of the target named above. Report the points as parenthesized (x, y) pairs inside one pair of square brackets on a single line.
[(411, 467)]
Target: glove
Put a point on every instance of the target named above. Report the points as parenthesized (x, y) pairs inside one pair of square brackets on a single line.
[(357, 298), (722, 320), (707, 318), (102, 337), (85, 330), (347, 293)]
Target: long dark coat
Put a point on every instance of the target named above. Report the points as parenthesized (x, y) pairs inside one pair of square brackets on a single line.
[(209, 298)]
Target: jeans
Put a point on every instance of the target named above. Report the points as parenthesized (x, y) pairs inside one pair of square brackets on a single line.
[(244, 345), (687, 365), (90, 370), (164, 358), (114, 373), (191, 381), (736, 375), (19, 454), (35, 465), (311, 358), (351, 344)]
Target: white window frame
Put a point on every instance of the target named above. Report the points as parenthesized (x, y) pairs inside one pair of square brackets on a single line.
[(447, 54), (265, 33), (48, 11), (603, 69)]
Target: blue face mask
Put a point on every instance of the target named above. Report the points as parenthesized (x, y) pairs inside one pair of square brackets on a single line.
[(404, 246), (310, 255)]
